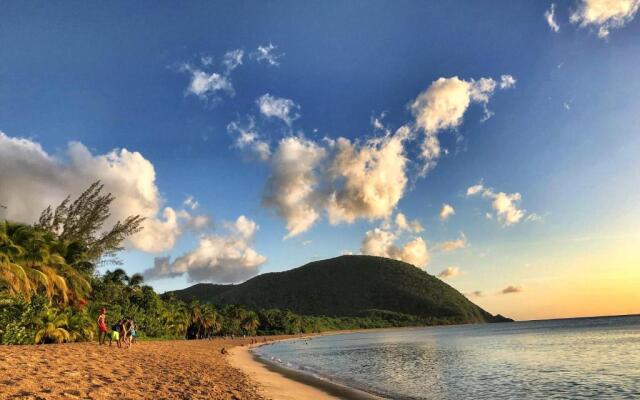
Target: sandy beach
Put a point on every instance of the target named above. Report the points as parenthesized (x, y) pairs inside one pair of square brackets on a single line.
[(177, 369), (274, 382)]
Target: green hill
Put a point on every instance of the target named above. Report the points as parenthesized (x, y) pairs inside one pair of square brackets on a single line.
[(348, 286)]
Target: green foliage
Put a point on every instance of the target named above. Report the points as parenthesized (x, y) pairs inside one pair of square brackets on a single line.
[(349, 286), (82, 220), (34, 261)]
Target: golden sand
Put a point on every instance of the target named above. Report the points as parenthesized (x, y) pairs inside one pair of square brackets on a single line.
[(177, 369)]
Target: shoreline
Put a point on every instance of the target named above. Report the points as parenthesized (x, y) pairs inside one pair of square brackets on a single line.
[(278, 382)]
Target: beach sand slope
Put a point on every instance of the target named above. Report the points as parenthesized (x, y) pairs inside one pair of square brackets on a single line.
[(178, 369)]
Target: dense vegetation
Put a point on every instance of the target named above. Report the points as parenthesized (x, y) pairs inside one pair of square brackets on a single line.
[(50, 290), (361, 287)]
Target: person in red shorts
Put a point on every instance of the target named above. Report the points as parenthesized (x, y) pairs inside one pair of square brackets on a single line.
[(102, 326)]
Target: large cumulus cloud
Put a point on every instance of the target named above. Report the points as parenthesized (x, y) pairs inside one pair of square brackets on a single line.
[(221, 258), (344, 179), (32, 179)]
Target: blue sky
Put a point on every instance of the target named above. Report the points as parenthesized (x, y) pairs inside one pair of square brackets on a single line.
[(564, 136)]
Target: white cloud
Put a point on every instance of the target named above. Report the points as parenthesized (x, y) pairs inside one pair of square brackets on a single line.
[(291, 186), (368, 180), (505, 205), (442, 106), (550, 17), (405, 225), (449, 272), (31, 179), (446, 211), (191, 203), (380, 242), (512, 289), (226, 258), (206, 60), (208, 85), (247, 138), (452, 245), (354, 180), (507, 82), (475, 189), (198, 222), (232, 59), (278, 107), (533, 217), (267, 54), (243, 227), (605, 14)]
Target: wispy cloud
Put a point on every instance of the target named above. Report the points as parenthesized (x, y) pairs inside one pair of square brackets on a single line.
[(505, 205), (267, 54), (278, 107), (248, 138), (512, 289), (207, 85), (232, 59), (452, 245), (449, 272), (442, 106), (550, 17)]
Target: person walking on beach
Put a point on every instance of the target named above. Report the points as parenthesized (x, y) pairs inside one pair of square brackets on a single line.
[(102, 326)]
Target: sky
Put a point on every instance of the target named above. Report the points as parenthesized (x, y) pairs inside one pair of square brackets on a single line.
[(493, 144)]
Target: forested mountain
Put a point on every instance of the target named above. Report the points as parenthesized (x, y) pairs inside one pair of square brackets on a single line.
[(348, 286)]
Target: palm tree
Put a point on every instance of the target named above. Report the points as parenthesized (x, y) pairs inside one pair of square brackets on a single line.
[(52, 327), (195, 317), (209, 321), (31, 259), (135, 281), (13, 277), (80, 326), (251, 323), (118, 276)]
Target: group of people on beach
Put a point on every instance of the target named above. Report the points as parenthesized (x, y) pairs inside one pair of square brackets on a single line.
[(122, 332)]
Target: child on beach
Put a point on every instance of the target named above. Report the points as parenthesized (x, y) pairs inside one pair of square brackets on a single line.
[(115, 336), (115, 333), (102, 326)]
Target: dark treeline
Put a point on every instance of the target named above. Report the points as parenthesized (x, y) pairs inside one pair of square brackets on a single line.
[(50, 291)]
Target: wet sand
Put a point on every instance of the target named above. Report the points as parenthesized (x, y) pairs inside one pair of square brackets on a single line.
[(177, 369), (275, 382)]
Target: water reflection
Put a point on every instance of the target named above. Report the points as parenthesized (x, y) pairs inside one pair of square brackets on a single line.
[(573, 358)]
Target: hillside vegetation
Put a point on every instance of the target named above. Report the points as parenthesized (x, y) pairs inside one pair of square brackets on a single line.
[(349, 286)]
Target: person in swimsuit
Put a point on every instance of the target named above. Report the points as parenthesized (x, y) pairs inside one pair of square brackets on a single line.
[(102, 326)]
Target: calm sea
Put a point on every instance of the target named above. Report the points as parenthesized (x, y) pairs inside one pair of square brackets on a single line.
[(570, 358)]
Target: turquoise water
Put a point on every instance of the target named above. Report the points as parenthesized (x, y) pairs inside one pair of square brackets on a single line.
[(571, 358)]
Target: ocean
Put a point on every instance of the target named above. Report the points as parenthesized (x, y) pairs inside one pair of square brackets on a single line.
[(554, 359)]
